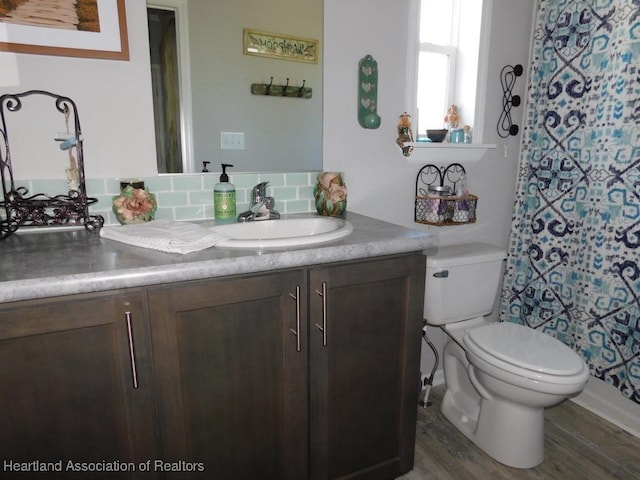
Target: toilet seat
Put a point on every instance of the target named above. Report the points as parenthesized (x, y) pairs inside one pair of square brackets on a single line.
[(526, 352)]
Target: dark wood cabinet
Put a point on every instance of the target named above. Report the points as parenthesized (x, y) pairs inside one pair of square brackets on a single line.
[(365, 333), (69, 393), (231, 379), (253, 383), (293, 374)]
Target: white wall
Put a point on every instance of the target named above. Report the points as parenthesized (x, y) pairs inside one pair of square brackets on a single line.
[(113, 99), (279, 132), (116, 107), (380, 180)]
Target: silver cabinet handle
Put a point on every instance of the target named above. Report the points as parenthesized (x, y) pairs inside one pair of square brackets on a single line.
[(323, 327), (296, 332), (132, 353)]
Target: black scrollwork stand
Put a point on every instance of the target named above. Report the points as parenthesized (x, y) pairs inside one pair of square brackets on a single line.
[(39, 210)]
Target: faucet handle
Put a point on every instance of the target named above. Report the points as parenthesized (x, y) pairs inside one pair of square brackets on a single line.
[(259, 192), (270, 202)]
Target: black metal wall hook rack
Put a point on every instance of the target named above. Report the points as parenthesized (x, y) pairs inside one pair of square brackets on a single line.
[(18, 208), (508, 77)]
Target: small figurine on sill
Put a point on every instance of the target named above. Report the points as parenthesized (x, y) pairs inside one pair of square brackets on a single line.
[(452, 118), (467, 134), (405, 135)]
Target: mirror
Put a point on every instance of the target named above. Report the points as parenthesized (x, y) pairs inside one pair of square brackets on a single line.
[(281, 133)]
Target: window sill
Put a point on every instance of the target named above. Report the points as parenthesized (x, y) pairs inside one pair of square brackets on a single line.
[(448, 152)]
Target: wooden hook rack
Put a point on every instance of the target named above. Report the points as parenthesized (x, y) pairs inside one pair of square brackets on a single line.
[(281, 90)]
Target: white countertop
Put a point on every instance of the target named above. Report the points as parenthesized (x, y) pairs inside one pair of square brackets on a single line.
[(48, 264)]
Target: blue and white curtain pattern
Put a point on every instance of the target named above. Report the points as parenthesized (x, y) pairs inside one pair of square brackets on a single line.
[(573, 269)]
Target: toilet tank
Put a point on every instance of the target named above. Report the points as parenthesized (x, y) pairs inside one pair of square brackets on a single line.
[(462, 282)]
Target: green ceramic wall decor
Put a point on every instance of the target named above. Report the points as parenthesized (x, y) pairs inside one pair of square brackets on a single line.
[(368, 93)]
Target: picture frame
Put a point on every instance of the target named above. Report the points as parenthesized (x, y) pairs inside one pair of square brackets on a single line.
[(283, 47), (109, 42)]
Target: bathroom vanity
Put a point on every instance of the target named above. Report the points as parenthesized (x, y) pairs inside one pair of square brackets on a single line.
[(297, 363)]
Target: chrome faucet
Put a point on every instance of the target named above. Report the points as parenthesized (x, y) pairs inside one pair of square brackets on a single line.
[(261, 206)]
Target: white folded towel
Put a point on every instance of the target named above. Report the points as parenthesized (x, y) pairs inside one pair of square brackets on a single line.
[(164, 235)]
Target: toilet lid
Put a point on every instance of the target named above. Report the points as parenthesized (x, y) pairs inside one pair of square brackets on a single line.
[(523, 347)]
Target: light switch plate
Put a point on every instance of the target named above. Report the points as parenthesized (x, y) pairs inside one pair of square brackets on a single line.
[(231, 141)]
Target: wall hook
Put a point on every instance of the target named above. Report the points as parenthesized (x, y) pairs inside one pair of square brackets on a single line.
[(301, 90), (508, 77), (267, 89), (284, 90)]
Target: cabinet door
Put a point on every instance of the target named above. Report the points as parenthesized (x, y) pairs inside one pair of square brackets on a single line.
[(67, 387), (231, 375), (365, 333)]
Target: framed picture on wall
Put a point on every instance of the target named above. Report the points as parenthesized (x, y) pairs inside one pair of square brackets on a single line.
[(284, 47), (82, 28)]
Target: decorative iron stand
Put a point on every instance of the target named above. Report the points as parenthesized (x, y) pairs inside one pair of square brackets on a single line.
[(41, 210)]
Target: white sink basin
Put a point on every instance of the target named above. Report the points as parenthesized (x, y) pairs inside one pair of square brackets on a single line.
[(287, 232)]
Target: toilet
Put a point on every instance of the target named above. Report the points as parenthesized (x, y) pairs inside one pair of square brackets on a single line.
[(499, 376)]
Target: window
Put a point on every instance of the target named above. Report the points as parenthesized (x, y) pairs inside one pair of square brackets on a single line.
[(445, 59)]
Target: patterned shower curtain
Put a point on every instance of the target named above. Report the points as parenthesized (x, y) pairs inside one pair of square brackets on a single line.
[(573, 269)]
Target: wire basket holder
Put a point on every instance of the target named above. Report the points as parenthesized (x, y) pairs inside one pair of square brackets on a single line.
[(435, 200), (17, 207)]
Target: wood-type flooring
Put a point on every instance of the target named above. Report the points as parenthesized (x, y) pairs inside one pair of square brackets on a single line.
[(579, 445)]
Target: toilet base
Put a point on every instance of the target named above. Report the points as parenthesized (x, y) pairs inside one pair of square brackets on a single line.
[(511, 433)]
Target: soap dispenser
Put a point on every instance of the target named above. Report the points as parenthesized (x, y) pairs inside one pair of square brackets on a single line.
[(224, 198)]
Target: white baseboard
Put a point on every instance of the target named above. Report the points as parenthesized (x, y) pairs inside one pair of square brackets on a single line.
[(607, 402)]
